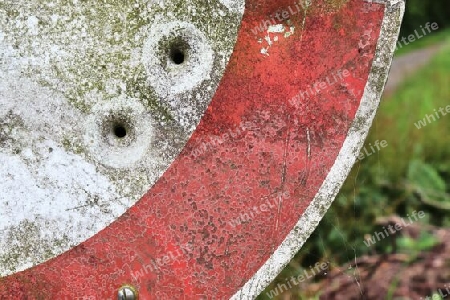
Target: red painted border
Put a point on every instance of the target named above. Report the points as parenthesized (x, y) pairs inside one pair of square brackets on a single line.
[(268, 149)]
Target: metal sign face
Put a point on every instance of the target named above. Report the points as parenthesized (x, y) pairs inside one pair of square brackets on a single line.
[(177, 149)]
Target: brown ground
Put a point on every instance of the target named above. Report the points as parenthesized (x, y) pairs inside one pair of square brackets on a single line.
[(404, 276)]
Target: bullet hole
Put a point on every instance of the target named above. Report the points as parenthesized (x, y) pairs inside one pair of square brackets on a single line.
[(177, 56), (119, 131)]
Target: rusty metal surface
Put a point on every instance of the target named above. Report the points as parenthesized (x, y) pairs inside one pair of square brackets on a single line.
[(279, 126)]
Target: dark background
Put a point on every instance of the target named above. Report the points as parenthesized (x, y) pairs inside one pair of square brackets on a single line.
[(418, 12)]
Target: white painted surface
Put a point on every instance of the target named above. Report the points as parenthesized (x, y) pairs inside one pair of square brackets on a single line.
[(66, 71), (237, 6)]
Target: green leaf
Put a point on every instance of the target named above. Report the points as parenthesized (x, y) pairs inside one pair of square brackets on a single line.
[(426, 181), (425, 177)]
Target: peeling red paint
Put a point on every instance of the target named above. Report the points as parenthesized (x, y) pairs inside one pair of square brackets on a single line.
[(286, 148)]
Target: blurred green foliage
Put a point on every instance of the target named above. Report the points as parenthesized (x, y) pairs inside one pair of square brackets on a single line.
[(434, 38)]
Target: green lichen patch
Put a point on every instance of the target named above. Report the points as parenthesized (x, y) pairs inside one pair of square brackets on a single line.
[(138, 88), (26, 243), (108, 35)]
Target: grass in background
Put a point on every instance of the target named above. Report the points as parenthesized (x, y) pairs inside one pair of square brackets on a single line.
[(412, 173), (431, 39)]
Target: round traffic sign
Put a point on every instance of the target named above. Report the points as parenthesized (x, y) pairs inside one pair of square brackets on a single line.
[(177, 150)]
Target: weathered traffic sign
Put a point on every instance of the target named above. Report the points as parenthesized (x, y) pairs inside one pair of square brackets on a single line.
[(177, 149)]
